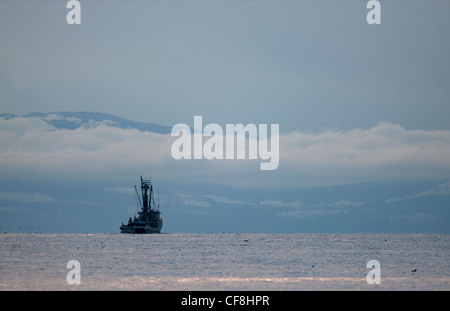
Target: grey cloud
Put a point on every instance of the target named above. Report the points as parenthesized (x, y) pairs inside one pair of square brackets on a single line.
[(124, 190), (25, 197), (279, 203), (227, 200), (441, 189), (385, 152), (316, 210)]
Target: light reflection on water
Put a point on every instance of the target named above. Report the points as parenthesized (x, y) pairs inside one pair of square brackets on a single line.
[(224, 261)]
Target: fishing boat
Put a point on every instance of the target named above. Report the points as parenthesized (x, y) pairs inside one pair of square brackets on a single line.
[(148, 218)]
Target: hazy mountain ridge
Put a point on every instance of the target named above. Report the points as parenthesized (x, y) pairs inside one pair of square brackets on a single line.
[(73, 120)]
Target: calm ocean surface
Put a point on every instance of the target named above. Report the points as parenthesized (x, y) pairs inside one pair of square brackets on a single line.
[(224, 261)]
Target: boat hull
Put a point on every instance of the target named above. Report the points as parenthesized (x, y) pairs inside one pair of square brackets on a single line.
[(137, 228)]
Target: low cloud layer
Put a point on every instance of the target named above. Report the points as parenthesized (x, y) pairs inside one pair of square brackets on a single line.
[(385, 152), (439, 190), (382, 153), (25, 198), (300, 210)]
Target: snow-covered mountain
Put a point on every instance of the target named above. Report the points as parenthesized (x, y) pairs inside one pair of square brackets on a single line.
[(74, 120)]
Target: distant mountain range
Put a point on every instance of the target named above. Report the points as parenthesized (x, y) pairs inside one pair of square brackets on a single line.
[(74, 120)]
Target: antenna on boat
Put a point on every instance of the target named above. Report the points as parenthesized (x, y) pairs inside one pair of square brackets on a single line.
[(157, 193), (137, 207), (159, 196), (137, 194)]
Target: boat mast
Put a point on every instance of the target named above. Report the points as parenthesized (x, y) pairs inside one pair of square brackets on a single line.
[(144, 189), (137, 194), (151, 198)]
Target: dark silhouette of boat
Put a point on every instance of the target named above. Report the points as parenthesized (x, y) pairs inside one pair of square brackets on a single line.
[(148, 219)]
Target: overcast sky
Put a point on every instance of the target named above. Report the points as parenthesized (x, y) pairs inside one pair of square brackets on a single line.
[(307, 65)]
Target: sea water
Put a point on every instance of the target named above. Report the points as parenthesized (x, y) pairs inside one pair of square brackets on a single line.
[(181, 261)]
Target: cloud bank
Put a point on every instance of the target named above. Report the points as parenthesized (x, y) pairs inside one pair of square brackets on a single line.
[(386, 152), (300, 210), (25, 198), (439, 190)]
